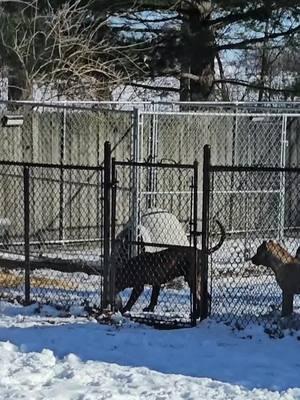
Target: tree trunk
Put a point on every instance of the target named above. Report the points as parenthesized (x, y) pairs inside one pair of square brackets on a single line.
[(185, 85), (264, 64), (199, 54), (18, 87)]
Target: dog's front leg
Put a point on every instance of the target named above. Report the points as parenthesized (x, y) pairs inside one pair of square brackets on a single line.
[(135, 294), (287, 304), (154, 298), (118, 305)]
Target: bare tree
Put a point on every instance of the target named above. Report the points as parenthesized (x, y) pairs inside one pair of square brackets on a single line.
[(267, 72), (65, 51), (196, 40)]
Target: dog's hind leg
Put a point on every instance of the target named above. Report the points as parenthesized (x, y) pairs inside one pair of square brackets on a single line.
[(135, 294), (154, 298)]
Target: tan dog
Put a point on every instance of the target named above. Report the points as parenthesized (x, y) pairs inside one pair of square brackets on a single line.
[(285, 267)]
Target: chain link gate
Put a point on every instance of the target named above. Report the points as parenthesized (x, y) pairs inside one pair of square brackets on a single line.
[(154, 242), (240, 138), (235, 138)]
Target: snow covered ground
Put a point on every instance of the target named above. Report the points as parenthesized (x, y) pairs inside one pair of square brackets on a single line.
[(44, 356)]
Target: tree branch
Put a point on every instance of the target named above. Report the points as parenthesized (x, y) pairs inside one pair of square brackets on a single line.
[(155, 87), (254, 86), (260, 13), (244, 43)]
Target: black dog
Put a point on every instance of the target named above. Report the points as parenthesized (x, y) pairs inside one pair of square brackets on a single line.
[(159, 268)]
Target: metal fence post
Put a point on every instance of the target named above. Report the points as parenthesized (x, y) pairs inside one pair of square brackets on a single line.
[(61, 177), (136, 157), (234, 141), (113, 232), (282, 178), (205, 232), (195, 310), (152, 154), (26, 180), (106, 223), (99, 212)]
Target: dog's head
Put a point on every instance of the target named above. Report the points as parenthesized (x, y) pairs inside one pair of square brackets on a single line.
[(259, 256), (273, 249)]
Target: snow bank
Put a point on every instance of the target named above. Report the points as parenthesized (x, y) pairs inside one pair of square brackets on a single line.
[(73, 358), (43, 376)]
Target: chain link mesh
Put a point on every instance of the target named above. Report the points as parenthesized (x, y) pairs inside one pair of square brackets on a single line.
[(64, 135), (11, 232), (254, 206), (75, 134), (235, 139), (66, 234), (66, 203), (159, 214)]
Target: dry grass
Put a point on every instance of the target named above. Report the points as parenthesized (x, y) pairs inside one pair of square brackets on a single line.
[(11, 280)]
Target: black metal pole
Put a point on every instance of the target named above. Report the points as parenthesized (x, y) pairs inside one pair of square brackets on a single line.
[(205, 233), (231, 197), (61, 204), (61, 175), (98, 190), (26, 179), (106, 223), (113, 231), (195, 240)]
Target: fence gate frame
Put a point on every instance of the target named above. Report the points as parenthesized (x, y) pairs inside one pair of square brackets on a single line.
[(135, 216)]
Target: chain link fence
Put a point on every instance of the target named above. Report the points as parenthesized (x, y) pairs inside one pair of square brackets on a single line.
[(12, 230), (62, 144), (59, 134), (258, 212), (52, 234), (74, 133), (53, 241), (265, 134), (246, 139)]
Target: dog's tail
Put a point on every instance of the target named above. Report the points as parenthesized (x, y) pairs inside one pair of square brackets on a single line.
[(221, 241)]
